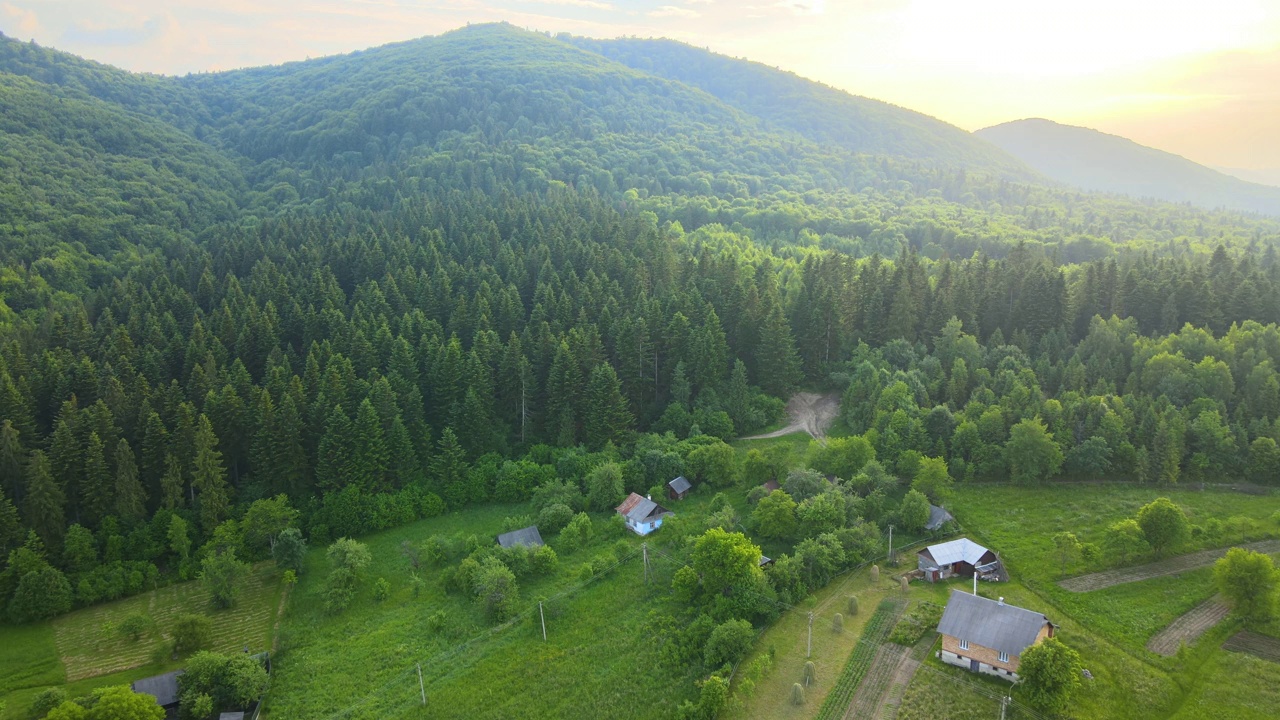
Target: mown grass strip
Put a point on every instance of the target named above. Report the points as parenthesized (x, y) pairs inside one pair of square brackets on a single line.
[(873, 635)]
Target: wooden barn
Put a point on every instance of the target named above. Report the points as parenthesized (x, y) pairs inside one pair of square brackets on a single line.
[(677, 489), (528, 537), (989, 636), (164, 688), (956, 558)]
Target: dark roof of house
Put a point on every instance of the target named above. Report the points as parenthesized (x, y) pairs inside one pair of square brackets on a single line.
[(163, 687), (231, 716), (638, 509), (629, 503), (991, 624), (937, 518), (772, 485), (765, 560), (529, 537), (680, 485)]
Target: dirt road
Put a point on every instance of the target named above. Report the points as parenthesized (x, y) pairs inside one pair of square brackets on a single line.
[(1182, 563), (809, 412)]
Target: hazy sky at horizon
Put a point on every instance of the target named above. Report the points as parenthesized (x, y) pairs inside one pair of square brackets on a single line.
[(1195, 78)]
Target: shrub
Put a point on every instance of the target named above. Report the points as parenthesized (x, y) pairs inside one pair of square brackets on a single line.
[(41, 594), (436, 621), (47, 700), (222, 574), (381, 589), (495, 586), (728, 643), (134, 626), (554, 517), (543, 560), (922, 619), (191, 633)]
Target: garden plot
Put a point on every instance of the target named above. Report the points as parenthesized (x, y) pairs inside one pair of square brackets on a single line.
[(1172, 566), (89, 647), (1259, 646), (1188, 628)]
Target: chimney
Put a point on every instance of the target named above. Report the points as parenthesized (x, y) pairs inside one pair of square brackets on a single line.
[(1002, 602), (648, 496)]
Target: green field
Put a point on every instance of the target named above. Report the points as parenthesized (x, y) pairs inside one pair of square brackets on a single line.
[(597, 659), (79, 652)]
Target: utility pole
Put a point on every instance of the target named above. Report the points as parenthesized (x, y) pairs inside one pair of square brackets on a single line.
[(422, 688), (1003, 702), (645, 547), (542, 617), (975, 582), (890, 544), (809, 649)]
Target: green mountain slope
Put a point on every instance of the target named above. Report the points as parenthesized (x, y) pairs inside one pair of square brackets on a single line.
[(818, 112), (1097, 161)]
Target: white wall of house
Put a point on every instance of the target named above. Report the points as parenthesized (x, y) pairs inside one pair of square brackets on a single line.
[(960, 661)]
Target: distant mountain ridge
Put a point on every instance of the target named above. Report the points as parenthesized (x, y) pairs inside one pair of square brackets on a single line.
[(1094, 160)]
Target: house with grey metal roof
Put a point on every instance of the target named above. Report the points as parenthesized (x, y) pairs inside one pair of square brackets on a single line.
[(678, 488), (989, 636), (955, 558), (528, 537), (642, 514)]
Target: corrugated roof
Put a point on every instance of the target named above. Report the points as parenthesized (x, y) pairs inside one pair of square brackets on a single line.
[(988, 623), (955, 551), (231, 716), (679, 484), (629, 503), (937, 518), (642, 510), (529, 537), (163, 687)]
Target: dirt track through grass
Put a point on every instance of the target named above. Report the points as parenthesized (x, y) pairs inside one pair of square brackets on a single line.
[(809, 413), (88, 650), (1259, 646), (1188, 628), (1172, 566)]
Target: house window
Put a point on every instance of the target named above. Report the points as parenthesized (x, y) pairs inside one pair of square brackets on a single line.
[(964, 644), (1004, 657)]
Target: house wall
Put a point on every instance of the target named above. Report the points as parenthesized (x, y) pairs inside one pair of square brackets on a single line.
[(984, 655)]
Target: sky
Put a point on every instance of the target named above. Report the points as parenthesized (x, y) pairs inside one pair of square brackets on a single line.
[(1198, 78)]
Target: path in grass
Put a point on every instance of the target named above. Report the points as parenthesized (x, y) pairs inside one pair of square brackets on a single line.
[(1259, 646), (1182, 563), (809, 413), (1189, 627), (88, 649), (902, 678)]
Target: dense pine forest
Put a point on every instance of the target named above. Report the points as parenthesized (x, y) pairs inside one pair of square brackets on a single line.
[(463, 269)]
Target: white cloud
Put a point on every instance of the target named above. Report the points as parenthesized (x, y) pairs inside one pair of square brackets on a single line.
[(673, 11), (592, 4), (23, 20), (803, 7)]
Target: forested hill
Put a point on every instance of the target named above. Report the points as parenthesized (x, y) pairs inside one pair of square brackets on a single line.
[(818, 112), (1094, 160)]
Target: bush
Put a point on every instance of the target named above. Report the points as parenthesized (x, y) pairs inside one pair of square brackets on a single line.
[(191, 633), (728, 643), (41, 594), (134, 626), (543, 560), (554, 518), (922, 619), (436, 621), (222, 574), (47, 700), (381, 589), (495, 586)]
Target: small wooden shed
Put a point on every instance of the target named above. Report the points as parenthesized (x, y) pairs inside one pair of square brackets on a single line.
[(528, 537), (677, 489)]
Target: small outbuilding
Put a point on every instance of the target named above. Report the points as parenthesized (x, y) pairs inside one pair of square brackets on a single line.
[(956, 558), (164, 688), (989, 636), (231, 716), (937, 518), (642, 514), (528, 537), (678, 488), (765, 561), (771, 486)]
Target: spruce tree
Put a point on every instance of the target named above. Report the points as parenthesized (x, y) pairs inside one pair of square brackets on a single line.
[(334, 458), (777, 363), (11, 457), (209, 477), (96, 483), (607, 416), (448, 472), (564, 383), (369, 461), (66, 460), (155, 446), (10, 525), (130, 496), (172, 484), (43, 503)]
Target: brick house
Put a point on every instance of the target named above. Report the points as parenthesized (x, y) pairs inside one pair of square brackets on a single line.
[(989, 636)]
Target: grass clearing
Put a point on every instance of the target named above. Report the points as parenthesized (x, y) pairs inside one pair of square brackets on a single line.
[(1233, 685), (596, 660)]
